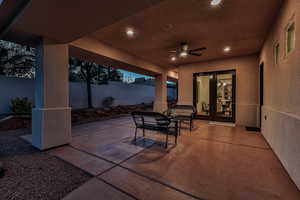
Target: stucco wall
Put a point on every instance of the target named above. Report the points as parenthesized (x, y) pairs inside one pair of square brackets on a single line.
[(11, 88), (282, 92), (247, 85), (124, 94)]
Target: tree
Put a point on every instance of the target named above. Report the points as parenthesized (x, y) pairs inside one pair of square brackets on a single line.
[(89, 72), (16, 60), (92, 73), (114, 74), (3, 60)]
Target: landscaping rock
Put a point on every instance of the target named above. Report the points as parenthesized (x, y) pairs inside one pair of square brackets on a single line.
[(78, 116), (14, 123), (31, 174)]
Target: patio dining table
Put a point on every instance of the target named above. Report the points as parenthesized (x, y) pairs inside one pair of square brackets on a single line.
[(180, 113), (177, 119)]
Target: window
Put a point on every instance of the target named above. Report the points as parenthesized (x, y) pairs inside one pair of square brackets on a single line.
[(276, 53), (290, 38)]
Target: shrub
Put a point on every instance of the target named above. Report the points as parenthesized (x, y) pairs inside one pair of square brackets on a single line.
[(21, 106), (108, 102)]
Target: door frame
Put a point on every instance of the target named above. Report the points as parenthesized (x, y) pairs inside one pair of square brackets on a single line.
[(213, 95), (261, 92)]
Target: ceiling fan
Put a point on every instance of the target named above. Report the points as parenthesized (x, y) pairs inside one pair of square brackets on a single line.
[(184, 50)]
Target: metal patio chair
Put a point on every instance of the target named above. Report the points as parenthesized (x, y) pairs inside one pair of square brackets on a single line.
[(156, 122)]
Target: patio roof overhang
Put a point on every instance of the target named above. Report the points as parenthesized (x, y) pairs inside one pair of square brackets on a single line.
[(243, 25), (161, 26), (66, 21), (60, 22), (96, 51)]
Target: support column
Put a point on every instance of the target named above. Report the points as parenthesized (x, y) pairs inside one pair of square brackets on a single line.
[(51, 118), (160, 102)]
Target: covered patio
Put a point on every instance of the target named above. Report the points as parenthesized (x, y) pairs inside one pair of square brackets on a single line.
[(189, 42), (210, 162)]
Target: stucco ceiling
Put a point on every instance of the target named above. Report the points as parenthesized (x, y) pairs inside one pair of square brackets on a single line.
[(7, 9), (68, 20), (161, 25), (241, 24)]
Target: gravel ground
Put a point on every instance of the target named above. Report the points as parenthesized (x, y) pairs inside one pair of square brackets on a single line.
[(31, 174)]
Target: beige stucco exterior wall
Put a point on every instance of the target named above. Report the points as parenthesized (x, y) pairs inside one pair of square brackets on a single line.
[(96, 51), (247, 85), (281, 107)]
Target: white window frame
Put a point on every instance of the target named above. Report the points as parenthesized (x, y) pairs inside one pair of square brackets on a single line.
[(287, 52)]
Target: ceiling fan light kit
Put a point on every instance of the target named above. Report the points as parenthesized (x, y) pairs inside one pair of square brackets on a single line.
[(183, 54), (215, 2), (184, 51)]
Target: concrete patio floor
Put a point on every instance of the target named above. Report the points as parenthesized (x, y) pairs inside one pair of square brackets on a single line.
[(211, 162)]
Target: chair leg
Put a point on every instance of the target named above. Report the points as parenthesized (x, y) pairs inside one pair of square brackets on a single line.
[(135, 135), (167, 140), (179, 128), (191, 125), (176, 132)]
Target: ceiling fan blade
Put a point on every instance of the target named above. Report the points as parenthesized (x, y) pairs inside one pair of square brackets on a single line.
[(173, 51), (195, 54), (198, 49)]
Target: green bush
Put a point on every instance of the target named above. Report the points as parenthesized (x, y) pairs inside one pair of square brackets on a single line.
[(108, 102), (21, 106)]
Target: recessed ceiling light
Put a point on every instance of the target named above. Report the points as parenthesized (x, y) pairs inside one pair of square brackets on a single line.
[(130, 32), (227, 49), (173, 58), (183, 54), (215, 2)]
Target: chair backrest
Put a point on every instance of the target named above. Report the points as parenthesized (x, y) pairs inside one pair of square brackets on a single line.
[(186, 110), (141, 118)]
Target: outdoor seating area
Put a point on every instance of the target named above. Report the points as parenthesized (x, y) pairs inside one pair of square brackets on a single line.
[(155, 122), (150, 100), (182, 113), (123, 169)]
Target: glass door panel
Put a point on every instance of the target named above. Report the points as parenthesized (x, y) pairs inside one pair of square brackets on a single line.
[(203, 97), (224, 96), (214, 95)]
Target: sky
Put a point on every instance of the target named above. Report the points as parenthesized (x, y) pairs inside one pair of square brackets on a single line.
[(131, 76)]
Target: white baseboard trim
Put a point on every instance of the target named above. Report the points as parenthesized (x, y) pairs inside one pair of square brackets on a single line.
[(222, 124)]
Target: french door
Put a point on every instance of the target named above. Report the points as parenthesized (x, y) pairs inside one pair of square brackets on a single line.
[(214, 95)]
